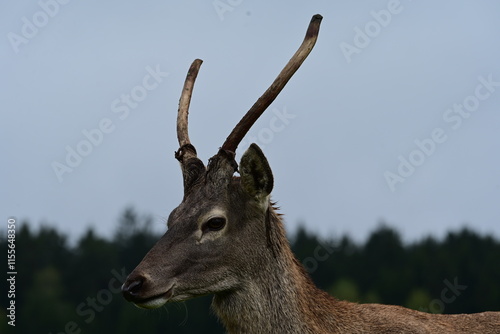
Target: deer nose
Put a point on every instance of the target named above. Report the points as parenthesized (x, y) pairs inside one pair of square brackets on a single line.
[(131, 289)]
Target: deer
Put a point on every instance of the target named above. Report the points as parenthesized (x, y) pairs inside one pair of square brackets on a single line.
[(227, 239)]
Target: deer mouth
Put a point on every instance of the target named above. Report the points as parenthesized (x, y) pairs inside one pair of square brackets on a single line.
[(155, 301)]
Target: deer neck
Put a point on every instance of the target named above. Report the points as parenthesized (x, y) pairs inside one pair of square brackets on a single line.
[(279, 298)]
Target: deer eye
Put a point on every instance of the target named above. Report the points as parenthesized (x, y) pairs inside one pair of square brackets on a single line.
[(214, 224)]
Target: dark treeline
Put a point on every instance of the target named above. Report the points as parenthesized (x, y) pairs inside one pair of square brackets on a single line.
[(75, 289)]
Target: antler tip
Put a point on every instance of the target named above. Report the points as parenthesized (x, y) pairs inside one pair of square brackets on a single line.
[(313, 29), (195, 67), (184, 101), (317, 17)]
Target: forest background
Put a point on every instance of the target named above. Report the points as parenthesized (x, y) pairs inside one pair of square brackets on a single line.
[(64, 287)]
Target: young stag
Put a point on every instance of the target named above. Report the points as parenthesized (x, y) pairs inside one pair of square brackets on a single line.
[(226, 239)]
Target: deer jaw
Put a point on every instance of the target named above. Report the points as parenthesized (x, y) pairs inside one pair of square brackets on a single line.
[(195, 257)]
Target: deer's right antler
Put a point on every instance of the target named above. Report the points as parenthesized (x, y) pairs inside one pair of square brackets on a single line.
[(270, 94), (192, 167), (185, 147)]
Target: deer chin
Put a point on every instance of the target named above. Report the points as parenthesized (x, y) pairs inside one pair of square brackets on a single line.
[(156, 301)]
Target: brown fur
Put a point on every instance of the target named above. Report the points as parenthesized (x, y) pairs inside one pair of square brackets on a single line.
[(258, 285), (283, 299), (245, 261)]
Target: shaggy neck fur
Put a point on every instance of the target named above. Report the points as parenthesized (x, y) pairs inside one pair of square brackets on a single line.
[(279, 298)]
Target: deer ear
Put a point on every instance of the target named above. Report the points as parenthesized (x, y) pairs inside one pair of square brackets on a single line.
[(256, 176)]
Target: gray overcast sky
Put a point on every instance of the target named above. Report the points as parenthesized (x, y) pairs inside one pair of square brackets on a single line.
[(393, 117)]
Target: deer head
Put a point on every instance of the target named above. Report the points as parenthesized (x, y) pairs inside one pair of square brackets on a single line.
[(221, 233)]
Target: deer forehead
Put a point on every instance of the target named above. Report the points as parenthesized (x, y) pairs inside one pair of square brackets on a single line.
[(195, 212)]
